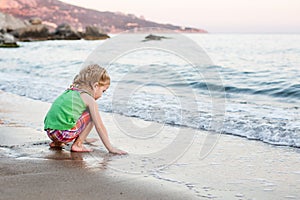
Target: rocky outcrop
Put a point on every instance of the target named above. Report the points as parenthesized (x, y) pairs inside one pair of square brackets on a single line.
[(9, 23), (154, 37), (65, 32), (35, 21), (32, 33), (7, 40), (93, 33), (35, 30)]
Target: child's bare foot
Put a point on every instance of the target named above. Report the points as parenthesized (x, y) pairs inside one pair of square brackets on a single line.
[(90, 140), (56, 144), (81, 148)]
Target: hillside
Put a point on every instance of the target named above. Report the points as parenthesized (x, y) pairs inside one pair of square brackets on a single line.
[(54, 13)]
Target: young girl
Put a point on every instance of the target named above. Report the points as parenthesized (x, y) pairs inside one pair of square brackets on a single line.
[(74, 113)]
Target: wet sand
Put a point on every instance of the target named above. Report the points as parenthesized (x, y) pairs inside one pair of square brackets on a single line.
[(30, 170), (52, 179), (236, 168)]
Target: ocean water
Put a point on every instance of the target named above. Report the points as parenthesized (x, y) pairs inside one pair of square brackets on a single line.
[(258, 82)]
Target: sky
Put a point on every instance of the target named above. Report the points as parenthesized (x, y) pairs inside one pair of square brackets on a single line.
[(215, 16)]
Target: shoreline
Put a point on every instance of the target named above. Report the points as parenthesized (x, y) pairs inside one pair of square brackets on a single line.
[(61, 174), (236, 168)]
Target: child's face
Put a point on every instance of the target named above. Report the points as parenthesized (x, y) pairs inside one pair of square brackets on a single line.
[(99, 90)]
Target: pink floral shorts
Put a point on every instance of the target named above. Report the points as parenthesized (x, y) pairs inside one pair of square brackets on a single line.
[(66, 136)]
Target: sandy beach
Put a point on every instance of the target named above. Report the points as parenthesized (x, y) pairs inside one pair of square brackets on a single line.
[(237, 168), (30, 170)]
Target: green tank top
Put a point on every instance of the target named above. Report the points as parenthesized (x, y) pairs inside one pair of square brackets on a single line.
[(65, 111)]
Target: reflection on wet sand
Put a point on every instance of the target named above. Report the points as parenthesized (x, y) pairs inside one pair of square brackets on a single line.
[(97, 159)]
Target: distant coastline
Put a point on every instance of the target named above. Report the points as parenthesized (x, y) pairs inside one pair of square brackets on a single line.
[(40, 20), (54, 13)]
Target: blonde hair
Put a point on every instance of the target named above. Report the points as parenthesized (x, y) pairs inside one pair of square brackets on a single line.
[(89, 75)]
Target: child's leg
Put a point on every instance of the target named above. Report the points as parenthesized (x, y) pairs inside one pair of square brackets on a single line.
[(56, 144), (54, 135), (78, 143), (90, 140)]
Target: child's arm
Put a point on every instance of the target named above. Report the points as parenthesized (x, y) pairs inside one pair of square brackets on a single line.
[(100, 128)]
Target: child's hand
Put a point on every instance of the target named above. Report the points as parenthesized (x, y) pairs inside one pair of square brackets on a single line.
[(117, 151)]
